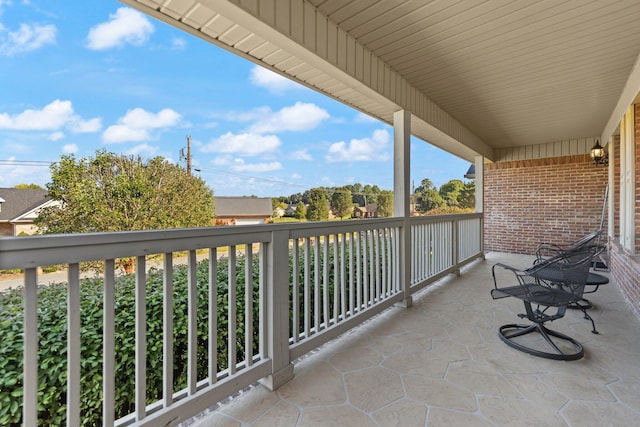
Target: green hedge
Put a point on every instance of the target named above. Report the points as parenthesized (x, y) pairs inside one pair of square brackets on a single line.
[(52, 362), (52, 329)]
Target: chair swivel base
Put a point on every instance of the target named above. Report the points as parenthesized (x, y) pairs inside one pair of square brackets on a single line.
[(508, 332)]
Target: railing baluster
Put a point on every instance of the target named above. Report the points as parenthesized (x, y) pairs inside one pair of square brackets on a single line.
[(365, 269), (248, 305), (108, 344), (316, 285), (378, 261), (141, 339), (167, 331), (30, 356), (336, 279), (192, 323), (358, 242), (307, 286), (343, 277), (295, 272), (325, 281), (384, 260), (232, 311), (213, 316), (351, 278), (73, 345)]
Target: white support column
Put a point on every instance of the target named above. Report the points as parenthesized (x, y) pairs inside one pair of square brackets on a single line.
[(402, 195), (479, 180), (277, 307)]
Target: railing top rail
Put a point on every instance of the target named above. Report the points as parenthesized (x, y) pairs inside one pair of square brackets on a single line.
[(34, 251), (430, 219), (310, 229)]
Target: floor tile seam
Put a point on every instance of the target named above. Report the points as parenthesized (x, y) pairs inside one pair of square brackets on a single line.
[(273, 408)]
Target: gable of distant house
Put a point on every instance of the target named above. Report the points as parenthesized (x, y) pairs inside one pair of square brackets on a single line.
[(242, 210), (19, 208), (368, 211)]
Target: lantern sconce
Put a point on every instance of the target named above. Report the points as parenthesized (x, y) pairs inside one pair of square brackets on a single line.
[(599, 155)]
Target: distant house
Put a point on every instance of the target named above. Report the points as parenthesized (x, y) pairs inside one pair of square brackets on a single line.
[(242, 210), (19, 208), (369, 211)]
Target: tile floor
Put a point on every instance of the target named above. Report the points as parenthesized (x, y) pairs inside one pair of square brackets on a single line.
[(441, 363)]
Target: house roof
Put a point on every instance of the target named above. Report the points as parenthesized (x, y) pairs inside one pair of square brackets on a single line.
[(243, 206), (477, 77), (18, 202)]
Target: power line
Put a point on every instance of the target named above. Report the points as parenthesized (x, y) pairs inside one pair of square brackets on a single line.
[(26, 163)]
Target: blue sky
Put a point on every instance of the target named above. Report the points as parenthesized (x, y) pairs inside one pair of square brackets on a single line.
[(77, 76)]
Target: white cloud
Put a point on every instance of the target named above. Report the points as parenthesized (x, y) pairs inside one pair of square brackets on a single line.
[(54, 116), (69, 148), (239, 165), (365, 118), (178, 43), (137, 124), (297, 118), (273, 82), (247, 144), (121, 133), (375, 148), (56, 136), (143, 150), (26, 39), (301, 155), (126, 26)]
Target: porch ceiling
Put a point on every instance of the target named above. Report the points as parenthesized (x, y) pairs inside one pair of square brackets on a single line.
[(476, 75)]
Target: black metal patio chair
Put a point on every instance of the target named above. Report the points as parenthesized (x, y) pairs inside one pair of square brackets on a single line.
[(546, 289), (546, 250)]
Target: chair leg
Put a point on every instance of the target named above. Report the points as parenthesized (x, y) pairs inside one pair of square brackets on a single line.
[(508, 332)]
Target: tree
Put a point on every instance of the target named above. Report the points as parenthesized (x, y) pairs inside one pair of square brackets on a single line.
[(113, 192), (28, 187), (341, 203), (317, 210), (467, 198), (451, 191), (427, 196), (385, 204), (301, 211)]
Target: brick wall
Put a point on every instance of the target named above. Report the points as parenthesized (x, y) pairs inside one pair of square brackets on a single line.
[(625, 269), (555, 199)]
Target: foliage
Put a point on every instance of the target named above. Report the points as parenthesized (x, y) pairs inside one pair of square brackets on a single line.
[(341, 203), (28, 187), (467, 198), (427, 196), (112, 192), (317, 209), (301, 211), (52, 314), (451, 191), (446, 210), (385, 204)]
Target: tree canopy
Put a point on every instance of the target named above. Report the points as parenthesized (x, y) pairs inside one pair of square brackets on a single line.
[(113, 192), (341, 203), (317, 209)]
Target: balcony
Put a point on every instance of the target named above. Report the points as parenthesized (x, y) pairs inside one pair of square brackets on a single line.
[(377, 360), (440, 362)]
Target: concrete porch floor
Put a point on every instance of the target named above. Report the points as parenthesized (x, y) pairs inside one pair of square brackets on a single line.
[(441, 363)]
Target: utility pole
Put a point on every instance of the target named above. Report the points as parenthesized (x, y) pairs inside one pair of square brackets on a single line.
[(188, 155)]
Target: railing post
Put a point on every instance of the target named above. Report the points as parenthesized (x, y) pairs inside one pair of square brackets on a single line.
[(401, 196), (455, 245), (277, 310)]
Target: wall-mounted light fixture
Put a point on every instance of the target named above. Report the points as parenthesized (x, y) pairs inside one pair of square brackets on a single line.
[(599, 155)]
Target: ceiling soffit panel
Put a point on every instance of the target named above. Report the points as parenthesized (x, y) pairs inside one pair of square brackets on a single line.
[(296, 39)]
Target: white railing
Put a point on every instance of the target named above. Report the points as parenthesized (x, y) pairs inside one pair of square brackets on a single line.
[(279, 291), (441, 244)]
